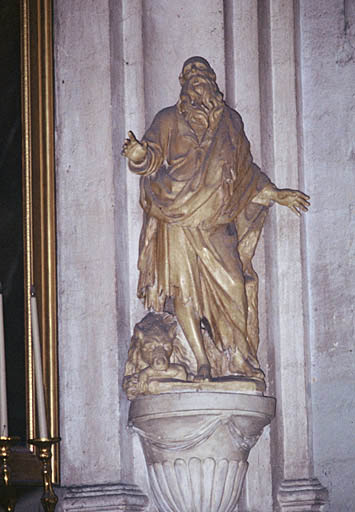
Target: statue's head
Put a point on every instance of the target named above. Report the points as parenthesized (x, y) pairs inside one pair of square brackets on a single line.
[(200, 99), (196, 66)]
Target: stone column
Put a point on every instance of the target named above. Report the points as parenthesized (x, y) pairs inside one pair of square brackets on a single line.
[(127, 85), (173, 32), (94, 305), (243, 94), (298, 489)]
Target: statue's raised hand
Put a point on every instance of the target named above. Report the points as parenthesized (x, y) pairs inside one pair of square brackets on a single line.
[(134, 150), (295, 200)]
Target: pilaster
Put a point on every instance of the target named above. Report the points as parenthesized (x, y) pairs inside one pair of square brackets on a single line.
[(302, 495), (295, 487), (243, 94), (87, 315), (173, 32), (96, 283), (107, 498)]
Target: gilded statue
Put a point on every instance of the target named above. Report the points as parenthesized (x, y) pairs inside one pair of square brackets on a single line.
[(204, 202)]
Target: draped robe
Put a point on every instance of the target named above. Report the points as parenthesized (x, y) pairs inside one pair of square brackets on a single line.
[(201, 225)]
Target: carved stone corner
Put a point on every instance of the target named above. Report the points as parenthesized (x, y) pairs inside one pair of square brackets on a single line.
[(302, 495), (196, 446), (107, 497)]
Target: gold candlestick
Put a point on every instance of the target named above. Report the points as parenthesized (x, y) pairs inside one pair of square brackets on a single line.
[(8, 493), (49, 498)]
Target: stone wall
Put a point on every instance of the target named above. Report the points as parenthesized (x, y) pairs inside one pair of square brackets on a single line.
[(287, 68), (327, 62)]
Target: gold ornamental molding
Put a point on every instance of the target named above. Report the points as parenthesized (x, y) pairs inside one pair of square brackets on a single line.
[(39, 205)]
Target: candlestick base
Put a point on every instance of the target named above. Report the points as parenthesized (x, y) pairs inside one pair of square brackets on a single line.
[(49, 498), (8, 493)]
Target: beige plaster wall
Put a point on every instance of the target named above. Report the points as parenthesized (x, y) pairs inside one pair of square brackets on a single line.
[(117, 64), (327, 96)]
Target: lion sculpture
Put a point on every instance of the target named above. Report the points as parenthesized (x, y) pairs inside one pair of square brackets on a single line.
[(148, 363)]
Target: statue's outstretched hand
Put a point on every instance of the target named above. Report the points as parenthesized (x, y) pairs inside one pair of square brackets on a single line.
[(295, 200), (134, 150)]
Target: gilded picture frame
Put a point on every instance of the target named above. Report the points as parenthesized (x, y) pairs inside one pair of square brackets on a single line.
[(38, 221)]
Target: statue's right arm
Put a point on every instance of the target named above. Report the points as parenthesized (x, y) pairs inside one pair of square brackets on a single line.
[(147, 156), (134, 150)]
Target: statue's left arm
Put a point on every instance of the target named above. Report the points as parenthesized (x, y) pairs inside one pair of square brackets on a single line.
[(295, 200), (265, 192)]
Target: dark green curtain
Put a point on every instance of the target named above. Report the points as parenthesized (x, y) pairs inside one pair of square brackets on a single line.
[(11, 224)]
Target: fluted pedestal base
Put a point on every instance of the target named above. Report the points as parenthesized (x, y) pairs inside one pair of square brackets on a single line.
[(196, 446)]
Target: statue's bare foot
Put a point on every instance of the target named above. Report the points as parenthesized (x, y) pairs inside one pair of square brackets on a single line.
[(239, 366), (257, 374), (204, 373)]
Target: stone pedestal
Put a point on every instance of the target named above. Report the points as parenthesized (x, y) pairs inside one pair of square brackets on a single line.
[(196, 446)]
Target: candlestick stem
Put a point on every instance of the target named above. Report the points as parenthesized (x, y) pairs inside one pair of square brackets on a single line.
[(7, 492), (49, 498), (3, 397)]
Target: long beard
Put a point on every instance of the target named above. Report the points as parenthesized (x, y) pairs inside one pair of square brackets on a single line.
[(201, 105)]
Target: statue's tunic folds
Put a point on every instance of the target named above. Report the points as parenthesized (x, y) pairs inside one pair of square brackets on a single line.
[(201, 225)]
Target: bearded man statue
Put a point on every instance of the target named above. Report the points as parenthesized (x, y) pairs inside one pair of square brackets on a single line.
[(204, 203)]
